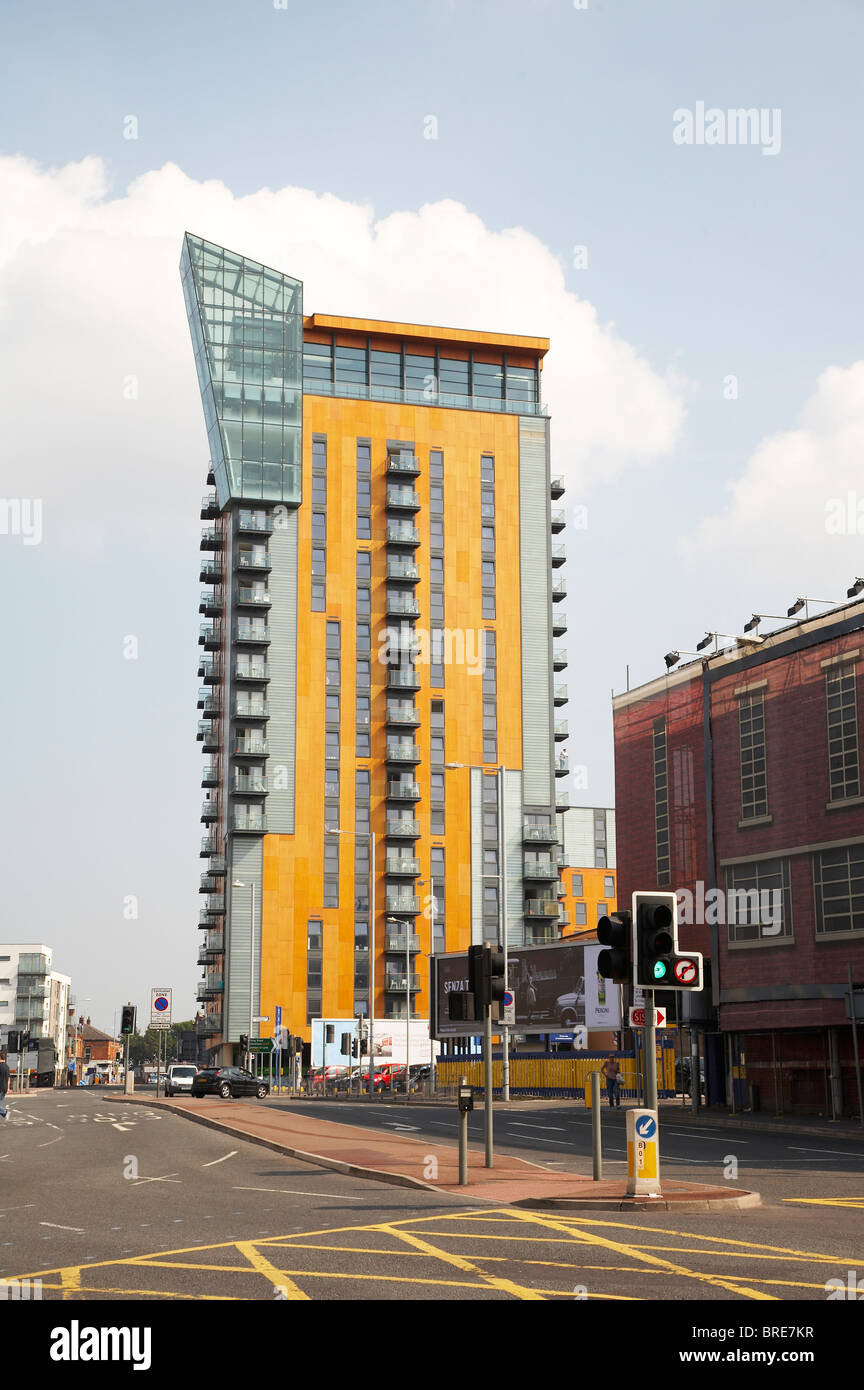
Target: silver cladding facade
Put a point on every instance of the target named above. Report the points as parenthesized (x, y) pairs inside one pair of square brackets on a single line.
[(243, 942), (282, 690), (536, 593)]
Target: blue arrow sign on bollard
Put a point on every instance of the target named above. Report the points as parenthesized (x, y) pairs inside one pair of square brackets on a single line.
[(646, 1127)]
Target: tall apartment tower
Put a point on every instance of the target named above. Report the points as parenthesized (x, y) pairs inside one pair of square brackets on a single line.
[(379, 706)]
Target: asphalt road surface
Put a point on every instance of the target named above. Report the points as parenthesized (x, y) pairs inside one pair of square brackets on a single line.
[(106, 1201)]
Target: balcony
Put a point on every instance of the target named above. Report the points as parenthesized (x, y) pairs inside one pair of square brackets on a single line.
[(217, 865), (559, 623), (210, 988), (208, 736), (213, 946), (556, 488), (255, 524), (393, 941), (210, 669), (403, 606), (209, 507), (402, 678), (249, 824), (559, 590), (245, 597), (250, 748), (398, 901), (405, 867), (207, 920), (207, 884), (249, 784), (539, 835), (546, 870), (402, 569), (562, 766), (244, 708), (216, 904), (209, 845), (403, 498), (403, 791), (211, 538), (210, 775), (542, 907), (558, 520), (210, 571), (208, 702), (212, 1023), (559, 556), (251, 562), (559, 658), (559, 695), (399, 751), (562, 730), (209, 811), (562, 801), (404, 463), (400, 533), (251, 669), (394, 983), (212, 603), (210, 636), (403, 715), (403, 828), (247, 630)]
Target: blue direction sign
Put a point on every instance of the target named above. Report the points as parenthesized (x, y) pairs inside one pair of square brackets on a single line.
[(646, 1127)]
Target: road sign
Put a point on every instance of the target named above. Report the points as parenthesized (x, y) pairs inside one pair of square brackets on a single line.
[(643, 1153), (260, 1044), (261, 1018), (277, 1027), (508, 1009), (160, 1008), (637, 1018), (686, 970)]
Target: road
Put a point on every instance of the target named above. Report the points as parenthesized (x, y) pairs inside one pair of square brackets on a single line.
[(106, 1201)]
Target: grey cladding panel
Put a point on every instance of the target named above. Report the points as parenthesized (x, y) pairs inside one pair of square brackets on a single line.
[(536, 594)]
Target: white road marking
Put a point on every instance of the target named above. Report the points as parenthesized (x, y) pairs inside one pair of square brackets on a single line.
[(220, 1160), (526, 1124), (842, 1152), (124, 1129), (709, 1138), (169, 1177), (50, 1141), (295, 1192), (79, 1230)]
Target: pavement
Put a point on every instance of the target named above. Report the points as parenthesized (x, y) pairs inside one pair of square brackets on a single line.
[(406, 1161)]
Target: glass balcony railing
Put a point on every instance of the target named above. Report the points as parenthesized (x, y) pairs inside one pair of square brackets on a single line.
[(209, 506), (251, 671), (556, 487), (402, 569), (209, 845), (559, 555), (394, 941), (209, 811), (540, 834), (560, 696), (562, 801), (403, 605), (255, 523), (405, 463), (210, 571), (249, 631), (250, 709), (403, 982), (403, 791), (562, 729), (559, 590), (558, 519), (403, 714), (399, 751), (216, 903), (559, 658), (403, 498), (211, 538), (541, 907), (410, 867), (208, 734), (211, 603), (401, 902), (398, 395), (403, 678), (559, 623), (210, 636), (545, 869), (250, 747), (562, 765), (249, 824), (241, 785), (257, 562), (403, 828), (398, 533), (252, 598)]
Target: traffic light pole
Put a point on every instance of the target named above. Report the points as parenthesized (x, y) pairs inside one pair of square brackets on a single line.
[(487, 1070), (649, 1049)]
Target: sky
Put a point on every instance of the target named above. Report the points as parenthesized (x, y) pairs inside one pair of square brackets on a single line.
[(515, 165)]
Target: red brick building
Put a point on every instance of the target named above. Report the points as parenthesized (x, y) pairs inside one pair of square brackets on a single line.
[(739, 781)]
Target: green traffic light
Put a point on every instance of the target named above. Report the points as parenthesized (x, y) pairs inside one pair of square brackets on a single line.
[(659, 969)]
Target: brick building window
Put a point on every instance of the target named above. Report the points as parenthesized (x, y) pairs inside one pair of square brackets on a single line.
[(751, 734), (838, 881), (661, 802), (759, 902), (841, 698)]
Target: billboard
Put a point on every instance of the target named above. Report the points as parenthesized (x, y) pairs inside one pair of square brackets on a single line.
[(555, 987)]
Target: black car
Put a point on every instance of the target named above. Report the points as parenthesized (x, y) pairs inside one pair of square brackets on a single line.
[(229, 1081)]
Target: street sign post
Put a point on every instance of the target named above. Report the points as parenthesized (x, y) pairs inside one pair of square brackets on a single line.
[(277, 1034), (643, 1153), (637, 1018), (260, 1044), (508, 1009), (160, 1008)]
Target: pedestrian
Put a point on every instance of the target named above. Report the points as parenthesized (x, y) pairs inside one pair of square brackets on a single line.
[(611, 1069), (4, 1085)]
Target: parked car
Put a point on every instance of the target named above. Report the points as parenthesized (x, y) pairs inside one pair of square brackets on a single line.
[(179, 1079), (323, 1081), (228, 1081)]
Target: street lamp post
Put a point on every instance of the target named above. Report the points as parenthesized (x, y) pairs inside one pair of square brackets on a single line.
[(332, 830)]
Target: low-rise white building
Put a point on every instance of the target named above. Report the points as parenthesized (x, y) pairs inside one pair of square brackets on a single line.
[(33, 996)]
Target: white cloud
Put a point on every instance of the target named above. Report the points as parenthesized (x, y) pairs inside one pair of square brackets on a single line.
[(91, 313), (793, 509)]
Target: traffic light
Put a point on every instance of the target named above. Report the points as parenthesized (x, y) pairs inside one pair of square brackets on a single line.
[(14, 1042), (244, 1042), (346, 1045), (329, 1032), (616, 932), (485, 976), (659, 963), (127, 1020)]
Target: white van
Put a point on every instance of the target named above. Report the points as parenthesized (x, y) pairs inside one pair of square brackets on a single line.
[(179, 1079)]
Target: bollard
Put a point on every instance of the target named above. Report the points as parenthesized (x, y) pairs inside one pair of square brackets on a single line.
[(465, 1101), (596, 1148)]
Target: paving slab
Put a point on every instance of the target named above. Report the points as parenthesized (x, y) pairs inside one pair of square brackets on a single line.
[(407, 1161)]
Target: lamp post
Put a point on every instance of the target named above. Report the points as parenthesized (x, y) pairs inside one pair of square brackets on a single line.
[(360, 834), (238, 883)]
